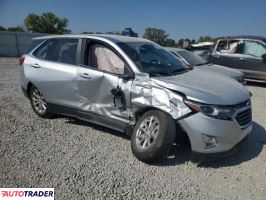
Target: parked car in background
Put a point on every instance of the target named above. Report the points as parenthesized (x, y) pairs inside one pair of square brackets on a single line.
[(193, 60), (135, 86), (246, 53), (202, 49)]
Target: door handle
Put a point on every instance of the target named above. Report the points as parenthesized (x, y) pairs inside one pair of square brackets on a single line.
[(242, 59), (35, 65), (85, 75)]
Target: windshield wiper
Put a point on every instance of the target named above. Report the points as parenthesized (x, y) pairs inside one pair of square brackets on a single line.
[(160, 73), (201, 64), (179, 71)]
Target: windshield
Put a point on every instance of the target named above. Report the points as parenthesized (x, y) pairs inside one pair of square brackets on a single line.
[(191, 58), (152, 58)]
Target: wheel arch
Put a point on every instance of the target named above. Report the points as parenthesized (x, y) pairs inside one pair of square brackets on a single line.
[(29, 85), (183, 134)]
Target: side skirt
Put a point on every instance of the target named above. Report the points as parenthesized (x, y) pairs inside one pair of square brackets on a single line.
[(89, 117)]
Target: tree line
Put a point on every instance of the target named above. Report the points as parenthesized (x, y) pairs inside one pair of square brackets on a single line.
[(51, 24)]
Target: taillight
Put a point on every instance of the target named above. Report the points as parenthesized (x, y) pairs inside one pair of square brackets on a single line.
[(21, 60)]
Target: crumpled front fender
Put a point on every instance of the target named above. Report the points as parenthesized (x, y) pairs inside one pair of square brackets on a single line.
[(146, 93)]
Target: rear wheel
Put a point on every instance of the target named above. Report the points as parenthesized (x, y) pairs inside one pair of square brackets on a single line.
[(38, 103), (153, 136)]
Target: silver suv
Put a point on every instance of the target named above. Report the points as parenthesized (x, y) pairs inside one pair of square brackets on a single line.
[(135, 86)]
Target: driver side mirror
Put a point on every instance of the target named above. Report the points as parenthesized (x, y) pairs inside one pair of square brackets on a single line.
[(264, 57), (127, 75)]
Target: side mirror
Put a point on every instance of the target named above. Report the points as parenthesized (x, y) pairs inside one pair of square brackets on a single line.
[(264, 56), (126, 76)]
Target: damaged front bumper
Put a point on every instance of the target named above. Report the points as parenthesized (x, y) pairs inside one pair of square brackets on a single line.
[(222, 135)]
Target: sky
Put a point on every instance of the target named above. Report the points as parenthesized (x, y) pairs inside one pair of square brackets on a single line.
[(179, 18)]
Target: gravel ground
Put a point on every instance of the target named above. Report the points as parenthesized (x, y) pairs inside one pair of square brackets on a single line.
[(85, 161)]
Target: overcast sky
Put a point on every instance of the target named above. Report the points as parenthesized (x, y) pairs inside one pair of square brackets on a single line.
[(181, 19)]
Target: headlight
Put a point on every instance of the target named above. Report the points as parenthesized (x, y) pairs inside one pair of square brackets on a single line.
[(210, 110)]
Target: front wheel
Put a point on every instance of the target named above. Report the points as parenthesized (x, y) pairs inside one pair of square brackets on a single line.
[(153, 136)]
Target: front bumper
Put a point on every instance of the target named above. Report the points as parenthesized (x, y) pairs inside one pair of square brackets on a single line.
[(199, 157), (228, 133)]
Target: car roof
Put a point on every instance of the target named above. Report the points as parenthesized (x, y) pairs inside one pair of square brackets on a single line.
[(262, 38), (113, 38)]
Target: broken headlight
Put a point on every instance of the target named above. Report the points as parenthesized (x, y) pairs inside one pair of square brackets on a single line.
[(214, 111)]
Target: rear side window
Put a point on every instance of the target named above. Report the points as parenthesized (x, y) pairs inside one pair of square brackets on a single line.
[(34, 43), (62, 50), (41, 51), (58, 50)]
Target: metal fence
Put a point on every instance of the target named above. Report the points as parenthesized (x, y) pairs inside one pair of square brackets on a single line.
[(14, 44)]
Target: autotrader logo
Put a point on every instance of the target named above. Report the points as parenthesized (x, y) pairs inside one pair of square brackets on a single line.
[(27, 193)]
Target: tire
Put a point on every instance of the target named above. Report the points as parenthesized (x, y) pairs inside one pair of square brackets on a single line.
[(38, 103), (158, 140)]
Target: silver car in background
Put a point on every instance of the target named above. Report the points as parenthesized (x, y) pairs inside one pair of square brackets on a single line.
[(135, 86)]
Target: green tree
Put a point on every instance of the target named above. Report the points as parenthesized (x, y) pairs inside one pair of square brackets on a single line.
[(114, 33), (180, 43), (16, 29), (2, 28), (133, 34), (205, 39), (169, 43), (86, 32), (188, 40), (46, 23), (157, 35)]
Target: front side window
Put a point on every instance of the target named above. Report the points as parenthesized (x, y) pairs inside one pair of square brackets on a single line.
[(103, 58), (254, 48), (62, 50), (152, 58), (229, 46)]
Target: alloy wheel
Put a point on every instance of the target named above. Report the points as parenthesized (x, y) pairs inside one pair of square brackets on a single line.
[(39, 101), (147, 132)]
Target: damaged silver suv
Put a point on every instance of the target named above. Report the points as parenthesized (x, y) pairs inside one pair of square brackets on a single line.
[(135, 86)]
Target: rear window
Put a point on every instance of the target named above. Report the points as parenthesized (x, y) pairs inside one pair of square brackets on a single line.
[(58, 50)]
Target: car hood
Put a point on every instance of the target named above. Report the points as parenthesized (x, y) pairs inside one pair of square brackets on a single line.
[(221, 70), (209, 88)]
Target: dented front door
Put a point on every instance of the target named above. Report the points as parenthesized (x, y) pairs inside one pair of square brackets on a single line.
[(97, 94)]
